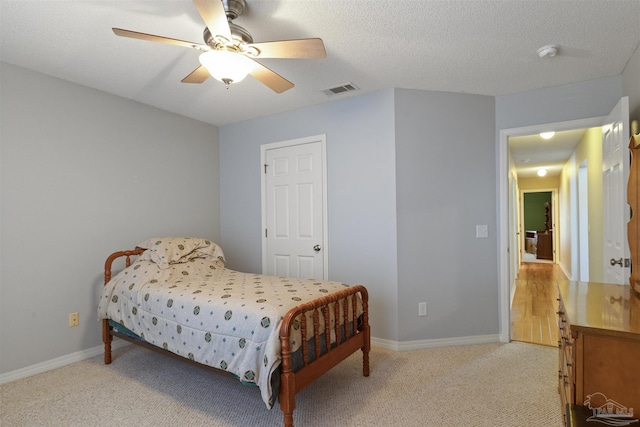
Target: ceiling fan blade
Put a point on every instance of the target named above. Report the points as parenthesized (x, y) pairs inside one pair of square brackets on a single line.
[(199, 75), (159, 39), (301, 48), (271, 79), (214, 16)]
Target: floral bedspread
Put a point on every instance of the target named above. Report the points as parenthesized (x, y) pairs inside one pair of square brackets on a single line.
[(193, 306)]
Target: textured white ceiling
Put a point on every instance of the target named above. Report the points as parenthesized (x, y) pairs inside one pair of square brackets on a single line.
[(473, 46)]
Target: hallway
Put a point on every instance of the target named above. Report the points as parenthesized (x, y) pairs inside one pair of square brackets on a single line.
[(533, 312)]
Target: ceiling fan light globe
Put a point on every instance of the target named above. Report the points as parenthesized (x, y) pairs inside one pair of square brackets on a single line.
[(227, 67)]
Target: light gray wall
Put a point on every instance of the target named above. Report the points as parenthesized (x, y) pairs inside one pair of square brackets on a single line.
[(361, 193), (574, 101), (631, 85), (389, 153), (84, 174), (445, 174)]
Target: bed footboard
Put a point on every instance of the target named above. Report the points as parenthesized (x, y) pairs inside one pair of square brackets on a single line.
[(348, 340)]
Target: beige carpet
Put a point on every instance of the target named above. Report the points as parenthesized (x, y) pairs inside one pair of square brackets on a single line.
[(511, 384)]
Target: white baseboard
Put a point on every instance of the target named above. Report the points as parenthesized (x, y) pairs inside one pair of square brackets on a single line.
[(564, 270), (441, 342), (58, 362)]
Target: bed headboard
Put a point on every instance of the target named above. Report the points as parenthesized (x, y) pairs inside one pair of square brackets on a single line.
[(127, 254)]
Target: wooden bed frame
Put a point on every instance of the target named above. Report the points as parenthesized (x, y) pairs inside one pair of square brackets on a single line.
[(314, 364)]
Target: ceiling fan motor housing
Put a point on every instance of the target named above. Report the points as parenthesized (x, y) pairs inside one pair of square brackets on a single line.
[(234, 8), (238, 36)]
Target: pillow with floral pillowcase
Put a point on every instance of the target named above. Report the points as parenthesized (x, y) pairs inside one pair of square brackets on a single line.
[(165, 251)]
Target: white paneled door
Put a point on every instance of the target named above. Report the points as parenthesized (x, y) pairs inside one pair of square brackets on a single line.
[(294, 208), (615, 174)]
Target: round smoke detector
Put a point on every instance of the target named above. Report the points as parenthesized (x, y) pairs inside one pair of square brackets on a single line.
[(548, 51)]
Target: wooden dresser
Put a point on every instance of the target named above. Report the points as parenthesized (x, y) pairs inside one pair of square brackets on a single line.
[(545, 245), (599, 343)]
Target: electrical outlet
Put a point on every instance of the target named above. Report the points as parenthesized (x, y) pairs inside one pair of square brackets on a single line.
[(422, 308), (74, 319)]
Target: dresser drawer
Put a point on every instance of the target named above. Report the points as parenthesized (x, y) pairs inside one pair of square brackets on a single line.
[(566, 368)]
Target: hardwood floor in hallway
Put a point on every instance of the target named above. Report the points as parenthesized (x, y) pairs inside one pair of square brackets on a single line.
[(533, 312)]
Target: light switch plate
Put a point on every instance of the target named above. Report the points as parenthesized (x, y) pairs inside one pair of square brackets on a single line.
[(482, 231)]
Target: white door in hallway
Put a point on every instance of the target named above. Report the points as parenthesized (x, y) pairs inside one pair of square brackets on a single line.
[(294, 208), (615, 210)]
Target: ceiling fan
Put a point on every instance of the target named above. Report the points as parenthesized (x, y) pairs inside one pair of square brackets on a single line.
[(229, 52)]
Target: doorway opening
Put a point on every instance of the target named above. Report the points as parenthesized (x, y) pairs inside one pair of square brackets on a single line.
[(538, 219)]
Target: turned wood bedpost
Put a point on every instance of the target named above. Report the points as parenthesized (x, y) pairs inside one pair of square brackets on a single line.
[(287, 393), (106, 339), (106, 334), (366, 329)]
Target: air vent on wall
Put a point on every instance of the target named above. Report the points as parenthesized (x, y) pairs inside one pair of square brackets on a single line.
[(347, 87)]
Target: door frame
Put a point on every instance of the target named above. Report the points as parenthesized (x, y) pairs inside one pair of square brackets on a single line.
[(322, 139), (583, 222), (504, 203)]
